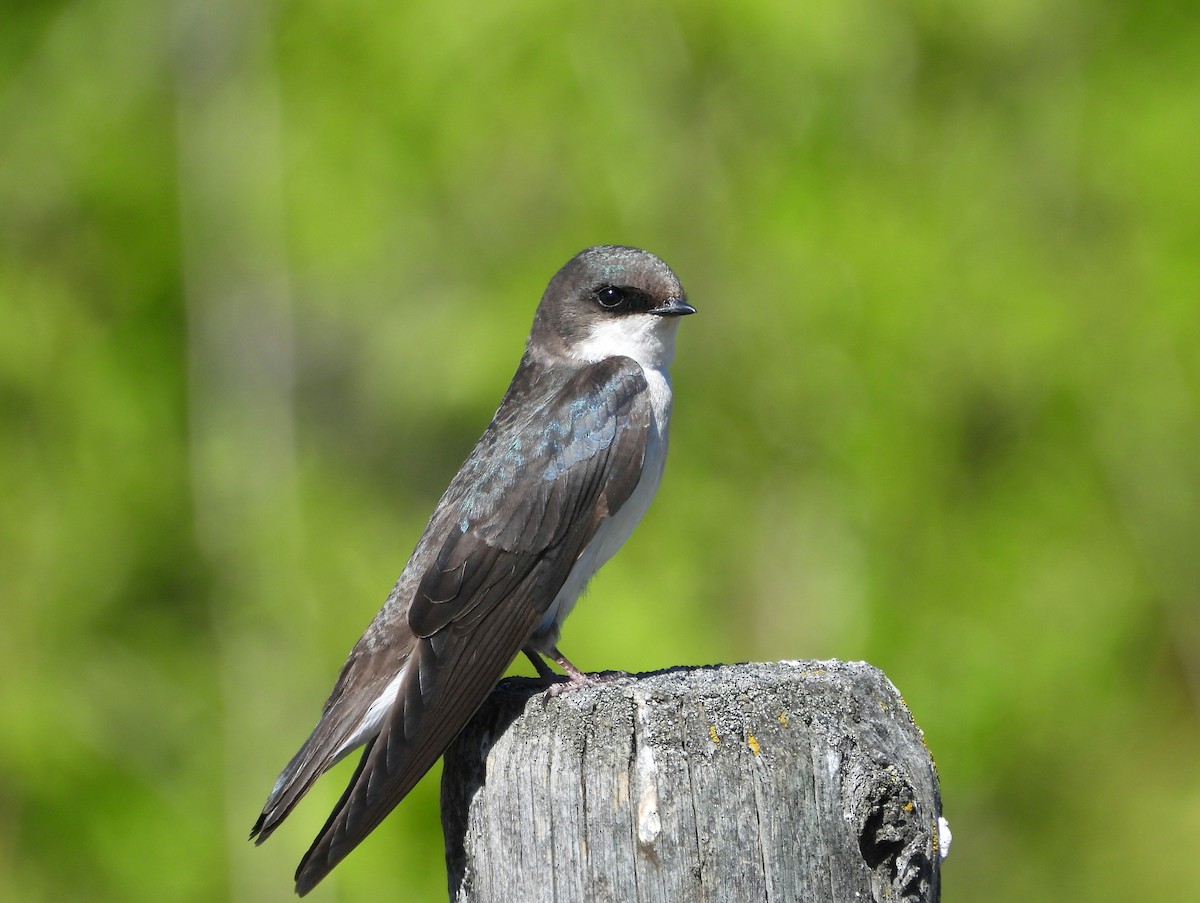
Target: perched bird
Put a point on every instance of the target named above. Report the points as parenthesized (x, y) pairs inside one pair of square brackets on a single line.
[(560, 478)]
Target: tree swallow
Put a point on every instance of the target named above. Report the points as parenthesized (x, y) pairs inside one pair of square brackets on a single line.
[(560, 478)]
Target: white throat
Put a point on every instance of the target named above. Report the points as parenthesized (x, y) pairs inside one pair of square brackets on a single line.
[(647, 338)]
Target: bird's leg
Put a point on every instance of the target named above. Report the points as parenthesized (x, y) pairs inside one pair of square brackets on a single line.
[(577, 677), (545, 672)]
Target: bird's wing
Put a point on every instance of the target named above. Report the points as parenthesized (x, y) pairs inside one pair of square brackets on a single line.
[(571, 453)]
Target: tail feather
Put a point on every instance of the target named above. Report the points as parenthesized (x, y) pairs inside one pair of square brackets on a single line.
[(295, 780), (452, 676), (330, 742)]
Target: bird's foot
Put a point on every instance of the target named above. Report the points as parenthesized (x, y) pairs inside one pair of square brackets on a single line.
[(576, 679), (579, 680)]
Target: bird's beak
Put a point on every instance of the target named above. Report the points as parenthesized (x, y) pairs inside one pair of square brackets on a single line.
[(672, 307)]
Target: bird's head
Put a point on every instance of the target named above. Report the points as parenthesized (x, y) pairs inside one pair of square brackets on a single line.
[(610, 301)]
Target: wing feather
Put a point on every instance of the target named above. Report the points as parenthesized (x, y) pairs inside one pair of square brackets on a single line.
[(568, 447)]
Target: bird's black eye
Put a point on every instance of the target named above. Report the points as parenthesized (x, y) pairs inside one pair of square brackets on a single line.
[(610, 297)]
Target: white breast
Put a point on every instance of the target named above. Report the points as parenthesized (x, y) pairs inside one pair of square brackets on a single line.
[(616, 529)]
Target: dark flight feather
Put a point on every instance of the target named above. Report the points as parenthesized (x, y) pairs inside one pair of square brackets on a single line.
[(563, 452)]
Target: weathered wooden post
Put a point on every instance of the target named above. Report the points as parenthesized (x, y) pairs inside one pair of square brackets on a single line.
[(793, 781)]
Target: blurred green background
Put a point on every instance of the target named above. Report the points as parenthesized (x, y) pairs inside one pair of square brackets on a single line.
[(266, 269)]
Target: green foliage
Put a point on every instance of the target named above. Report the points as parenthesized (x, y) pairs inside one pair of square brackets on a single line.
[(265, 271)]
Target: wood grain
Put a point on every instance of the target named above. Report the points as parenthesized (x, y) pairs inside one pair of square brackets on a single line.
[(790, 781)]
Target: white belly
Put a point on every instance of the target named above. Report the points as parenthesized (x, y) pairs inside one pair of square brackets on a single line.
[(615, 530)]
